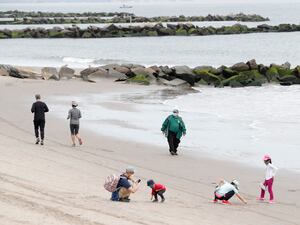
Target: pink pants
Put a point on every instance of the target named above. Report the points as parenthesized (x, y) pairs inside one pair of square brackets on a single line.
[(268, 184)]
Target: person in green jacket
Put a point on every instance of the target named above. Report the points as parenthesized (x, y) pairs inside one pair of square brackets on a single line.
[(173, 128)]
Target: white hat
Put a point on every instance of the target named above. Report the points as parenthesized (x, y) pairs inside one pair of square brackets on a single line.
[(74, 103), (235, 183)]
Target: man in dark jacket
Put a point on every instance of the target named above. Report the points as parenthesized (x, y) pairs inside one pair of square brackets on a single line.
[(39, 108), (173, 128)]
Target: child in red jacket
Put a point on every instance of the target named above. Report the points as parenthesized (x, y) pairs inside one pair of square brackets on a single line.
[(157, 189)]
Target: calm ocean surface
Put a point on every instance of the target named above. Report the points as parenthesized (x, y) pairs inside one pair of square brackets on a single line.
[(191, 51)]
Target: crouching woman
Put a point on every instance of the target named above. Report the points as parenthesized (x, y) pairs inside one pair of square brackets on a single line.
[(126, 186), (225, 191)]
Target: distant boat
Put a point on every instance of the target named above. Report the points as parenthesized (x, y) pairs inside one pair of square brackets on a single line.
[(126, 6)]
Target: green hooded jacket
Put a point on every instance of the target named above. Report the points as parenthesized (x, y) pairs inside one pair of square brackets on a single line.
[(174, 124)]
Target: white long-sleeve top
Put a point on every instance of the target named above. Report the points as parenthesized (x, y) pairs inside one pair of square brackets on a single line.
[(270, 171)]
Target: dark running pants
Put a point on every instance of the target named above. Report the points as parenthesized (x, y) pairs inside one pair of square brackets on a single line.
[(226, 197), (173, 141), (160, 193), (39, 125)]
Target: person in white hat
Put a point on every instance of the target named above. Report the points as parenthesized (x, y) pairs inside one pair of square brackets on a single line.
[(173, 128), (74, 115)]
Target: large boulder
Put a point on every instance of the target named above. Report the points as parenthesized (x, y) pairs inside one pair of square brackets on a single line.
[(29, 73), (66, 73), (286, 65), (174, 83), (297, 71), (147, 72), (3, 71), (184, 73), (112, 73), (116, 67), (50, 73), (84, 73), (252, 64), (95, 76), (240, 67), (166, 70), (11, 71), (227, 72), (272, 74), (139, 79), (208, 77), (246, 78)]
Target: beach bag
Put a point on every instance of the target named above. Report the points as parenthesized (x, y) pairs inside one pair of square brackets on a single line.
[(111, 183)]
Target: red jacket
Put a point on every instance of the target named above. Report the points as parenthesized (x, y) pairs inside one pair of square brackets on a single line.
[(158, 187)]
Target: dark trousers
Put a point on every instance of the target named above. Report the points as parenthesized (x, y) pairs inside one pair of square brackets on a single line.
[(173, 141), (160, 193), (226, 197), (39, 125)]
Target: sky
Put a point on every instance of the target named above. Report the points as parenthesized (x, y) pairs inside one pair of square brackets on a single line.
[(139, 1)]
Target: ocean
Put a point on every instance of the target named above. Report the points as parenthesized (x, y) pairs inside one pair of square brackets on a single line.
[(232, 124), (192, 51), (237, 124)]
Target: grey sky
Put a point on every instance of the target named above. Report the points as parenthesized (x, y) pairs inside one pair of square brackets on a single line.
[(144, 1)]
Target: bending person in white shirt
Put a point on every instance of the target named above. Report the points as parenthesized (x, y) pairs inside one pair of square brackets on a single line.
[(225, 190)]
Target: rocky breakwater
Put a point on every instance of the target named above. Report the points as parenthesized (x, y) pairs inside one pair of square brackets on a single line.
[(238, 75), (112, 30), (84, 18)]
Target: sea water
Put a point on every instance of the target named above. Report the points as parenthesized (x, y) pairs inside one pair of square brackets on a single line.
[(191, 51), (239, 124)]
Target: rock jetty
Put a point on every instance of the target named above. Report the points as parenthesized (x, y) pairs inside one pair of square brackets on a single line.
[(112, 30), (238, 75), (19, 17)]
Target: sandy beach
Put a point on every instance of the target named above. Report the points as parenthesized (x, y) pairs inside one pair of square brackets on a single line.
[(61, 185)]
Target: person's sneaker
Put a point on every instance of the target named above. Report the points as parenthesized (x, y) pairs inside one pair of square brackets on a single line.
[(225, 202), (260, 199), (124, 200), (42, 142), (271, 202), (175, 153), (163, 200), (215, 201), (37, 141), (73, 145), (172, 153), (155, 200)]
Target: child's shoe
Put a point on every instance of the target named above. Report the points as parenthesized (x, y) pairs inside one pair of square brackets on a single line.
[(155, 200), (162, 200), (215, 201), (37, 141), (225, 202), (271, 202), (260, 199)]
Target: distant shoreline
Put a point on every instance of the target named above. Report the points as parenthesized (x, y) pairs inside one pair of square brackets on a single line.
[(15, 17)]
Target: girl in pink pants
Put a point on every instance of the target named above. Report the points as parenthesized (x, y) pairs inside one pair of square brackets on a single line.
[(269, 179)]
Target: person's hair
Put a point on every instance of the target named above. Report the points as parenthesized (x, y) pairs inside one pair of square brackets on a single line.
[(37, 96), (269, 160), (130, 170)]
